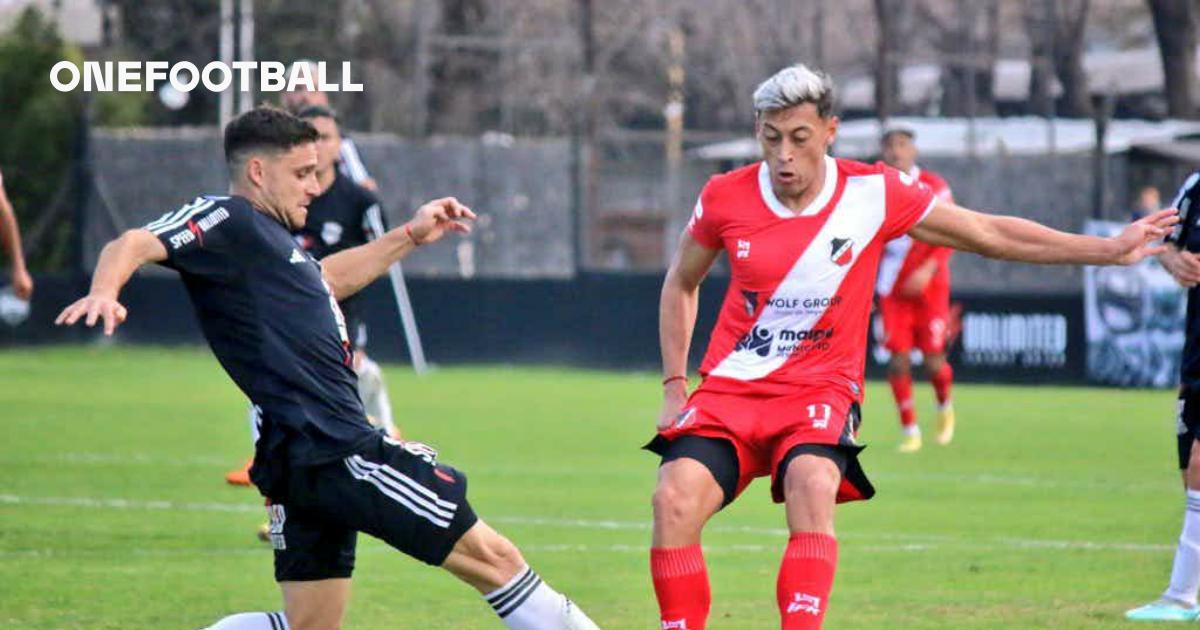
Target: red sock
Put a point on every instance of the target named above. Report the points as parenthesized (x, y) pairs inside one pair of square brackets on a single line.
[(805, 579), (681, 585), (942, 380), (902, 390)]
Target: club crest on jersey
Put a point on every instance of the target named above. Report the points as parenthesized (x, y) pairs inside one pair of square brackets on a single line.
[(841, 251), (758, 341), (331, 232)]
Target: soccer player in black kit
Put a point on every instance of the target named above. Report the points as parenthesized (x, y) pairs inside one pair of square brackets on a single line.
[(341, 216), (269, 312), (1178, 602)]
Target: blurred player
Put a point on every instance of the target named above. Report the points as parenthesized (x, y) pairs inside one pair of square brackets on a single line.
[(1178, 602), (783, 373), (339, 218), (270, 314), (350, 162), (10, 236), (914, 299)]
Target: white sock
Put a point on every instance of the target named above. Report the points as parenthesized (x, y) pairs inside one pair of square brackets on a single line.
[(374, 394), (528, 603), (945, 406), (1185, 575), (252, 621), (912, 430)]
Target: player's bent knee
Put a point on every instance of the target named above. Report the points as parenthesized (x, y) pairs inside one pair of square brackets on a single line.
[(811, 477), (677, 506)]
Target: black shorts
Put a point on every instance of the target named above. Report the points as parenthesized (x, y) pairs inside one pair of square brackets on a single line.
[(1187, 424), (396, 492)]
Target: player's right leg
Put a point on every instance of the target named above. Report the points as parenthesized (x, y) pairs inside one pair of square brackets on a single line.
[(898, 327), (1178, 602), (698, 476)]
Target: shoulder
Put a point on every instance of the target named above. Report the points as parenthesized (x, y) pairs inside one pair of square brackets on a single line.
[(731, 184), (854, 168)]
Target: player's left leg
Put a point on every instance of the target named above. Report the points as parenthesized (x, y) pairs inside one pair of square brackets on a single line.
[(492, 565), (253, 621), (898, 330), (316, 604), (931, 340), (810, 485), (1178, 602)]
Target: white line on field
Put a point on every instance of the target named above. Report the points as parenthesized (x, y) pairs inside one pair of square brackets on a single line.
[(905, 542)]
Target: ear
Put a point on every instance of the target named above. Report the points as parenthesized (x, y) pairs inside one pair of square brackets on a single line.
[(254, 171), (833, 129)]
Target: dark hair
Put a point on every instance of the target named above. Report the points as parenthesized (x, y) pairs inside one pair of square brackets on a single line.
[(908, 132), (316, 111), (265, 128)]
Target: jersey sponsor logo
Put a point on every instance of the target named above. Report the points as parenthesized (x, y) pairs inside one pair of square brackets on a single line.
[(761, 341), (743, 249), (805, 603), (213, 219), (181, 238), (841, 251), (791, 304), (331, 232)]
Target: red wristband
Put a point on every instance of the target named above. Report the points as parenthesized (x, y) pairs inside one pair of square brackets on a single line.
[(669, 379), (409, 234)]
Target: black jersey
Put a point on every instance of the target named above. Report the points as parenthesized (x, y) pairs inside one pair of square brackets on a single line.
[(273, 325), (340, 218), (1186, 236)]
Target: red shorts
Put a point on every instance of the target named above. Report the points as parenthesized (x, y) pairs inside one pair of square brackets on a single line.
[(923, 324), (763, 430)]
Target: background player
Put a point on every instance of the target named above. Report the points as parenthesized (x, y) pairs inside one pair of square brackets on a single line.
[(339, 218), (270, 315), (349, 161), (1178, 602), (914, 300), (10, 237), (783, 372)]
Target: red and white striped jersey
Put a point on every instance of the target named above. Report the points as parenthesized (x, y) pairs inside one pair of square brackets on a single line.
[(902, 255), (799, 299)]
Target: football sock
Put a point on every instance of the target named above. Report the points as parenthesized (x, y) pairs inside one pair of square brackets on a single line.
[(1185, 574), (942, 381), (252, 418), (681, 585), (902, 390), (252, 621), (528, 603), (805, 579), (374, 394)]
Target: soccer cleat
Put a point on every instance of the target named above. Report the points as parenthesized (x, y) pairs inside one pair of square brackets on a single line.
[(945, 425), (1164, 610), (910, 443), (241, 476)]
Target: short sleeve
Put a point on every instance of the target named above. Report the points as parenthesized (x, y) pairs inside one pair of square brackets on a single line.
[(908, 202), (703, 226), (1185, 202), (196, 237)]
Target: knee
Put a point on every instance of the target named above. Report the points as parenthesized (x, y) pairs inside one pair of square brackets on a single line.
[(676, 507), (811, 486), (899, 364), (502, 555), (934, 363)]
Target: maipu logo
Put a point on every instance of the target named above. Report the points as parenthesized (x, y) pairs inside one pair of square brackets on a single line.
[(758, 341)]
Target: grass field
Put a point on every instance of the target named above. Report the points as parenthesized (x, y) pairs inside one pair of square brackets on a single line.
[(1055, 508)]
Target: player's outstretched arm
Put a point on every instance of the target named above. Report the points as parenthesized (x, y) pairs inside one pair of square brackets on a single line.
[(1012, 238), (118, 260), (10, 237), (677, 318), (348, 271)]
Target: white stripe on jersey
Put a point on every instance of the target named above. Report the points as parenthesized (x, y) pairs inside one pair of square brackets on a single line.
[(372, 217), (352, 162), (172, 216), (859, 215), (894, 253), (181, 218)]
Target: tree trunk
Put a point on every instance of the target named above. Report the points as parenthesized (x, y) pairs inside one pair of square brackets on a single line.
[(1175, 28), (1068, 58)]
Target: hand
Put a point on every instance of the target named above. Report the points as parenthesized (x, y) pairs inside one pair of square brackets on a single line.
[(433, 220), (95, 307), (917, 282), (22, 283), (1182, 265), (1134, 242), (370, 184), (675, 396)]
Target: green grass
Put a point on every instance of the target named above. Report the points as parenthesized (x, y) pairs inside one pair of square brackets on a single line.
[(1055, 508)]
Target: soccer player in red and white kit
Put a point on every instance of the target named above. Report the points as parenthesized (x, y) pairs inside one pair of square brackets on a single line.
[(783, 375), (914, 299)]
